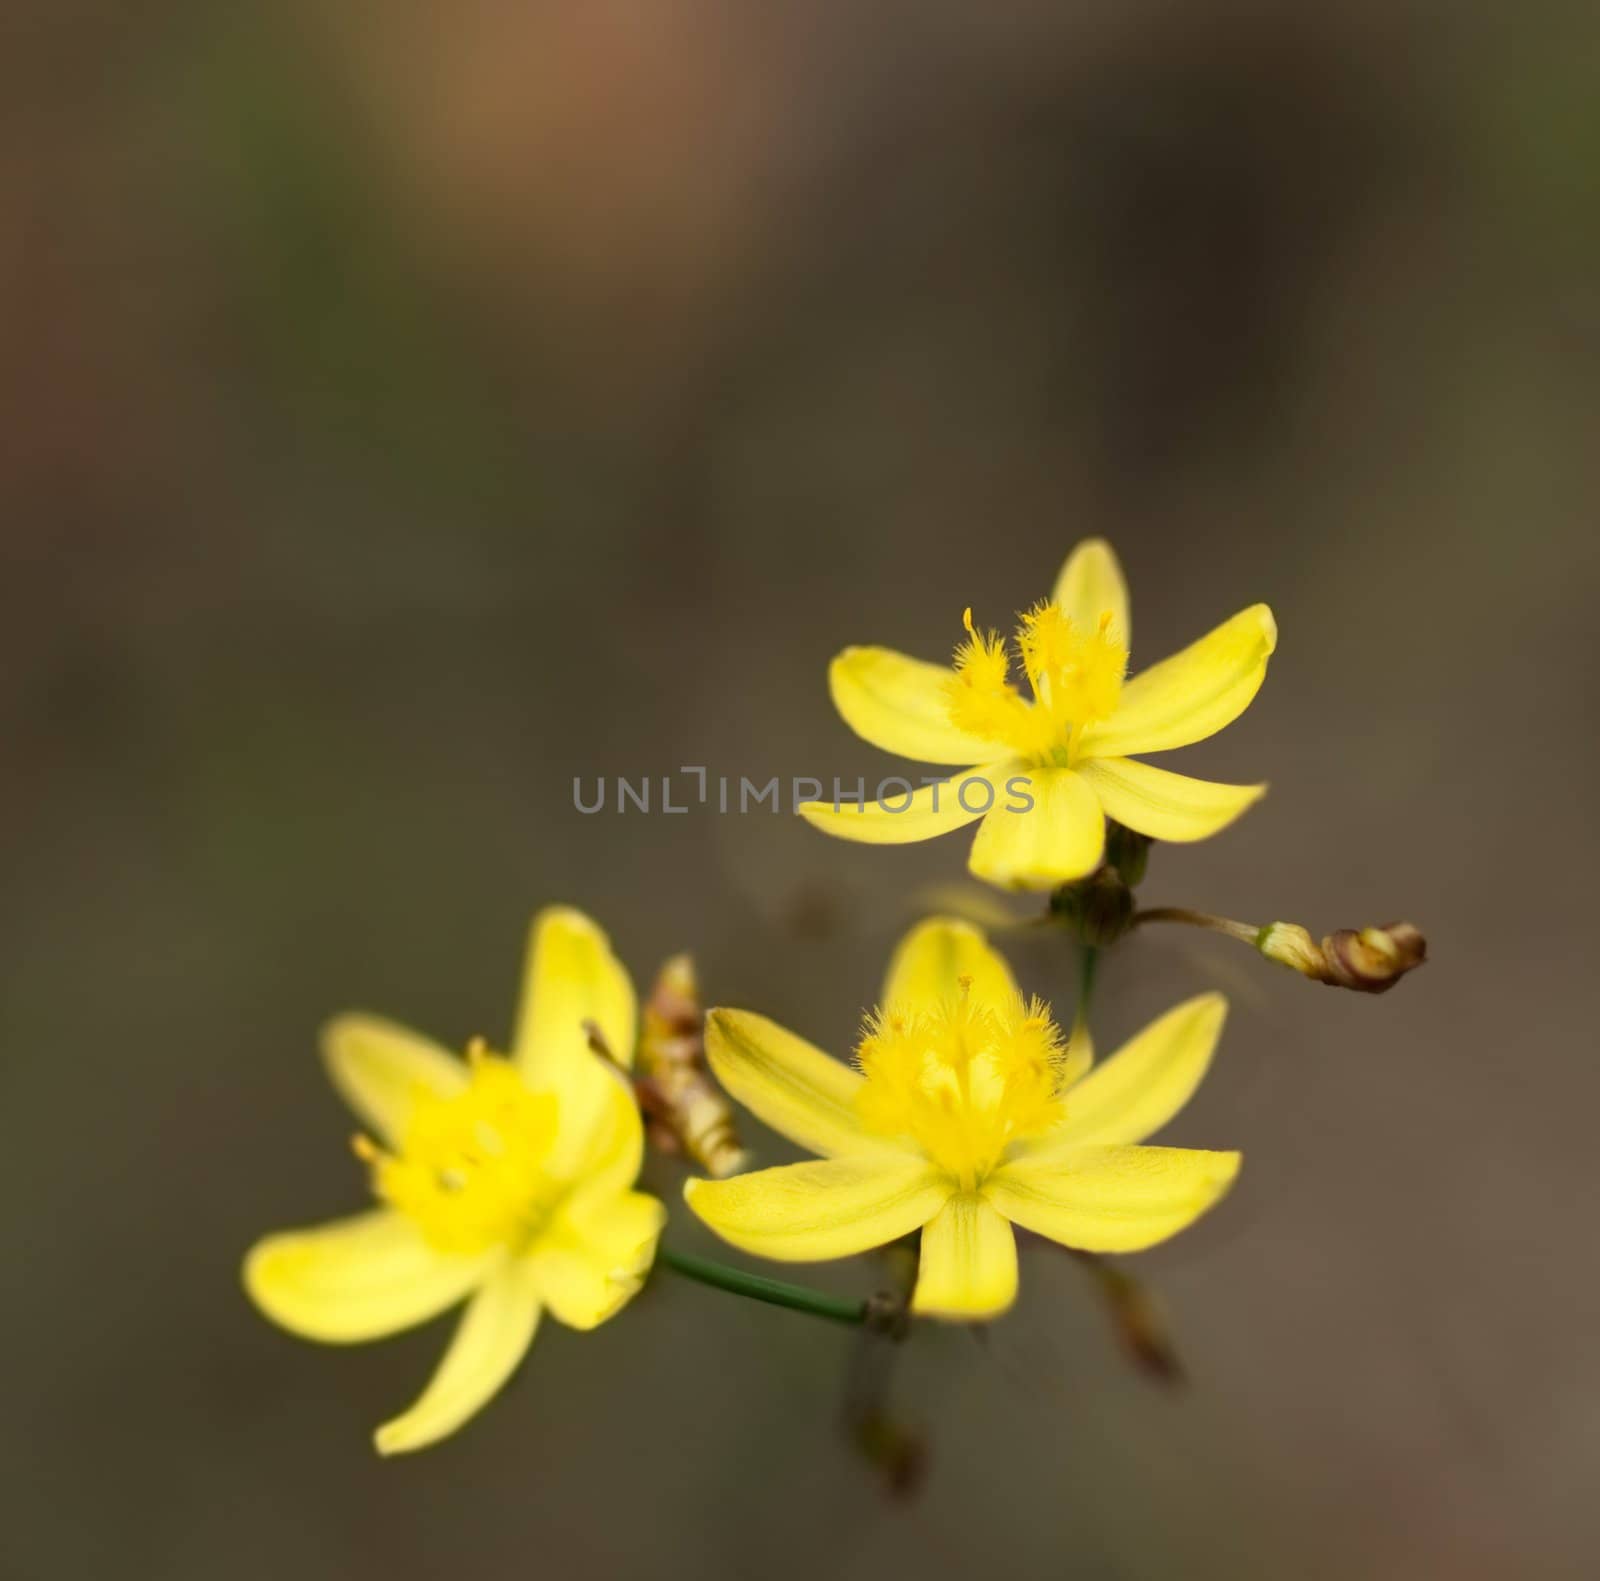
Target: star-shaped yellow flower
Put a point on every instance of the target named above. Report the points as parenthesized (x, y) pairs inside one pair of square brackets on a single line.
[(506, 1183), (1050, 768), (968, 1114)]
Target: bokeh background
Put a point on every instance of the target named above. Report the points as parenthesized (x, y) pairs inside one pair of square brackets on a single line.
[(405, 409)]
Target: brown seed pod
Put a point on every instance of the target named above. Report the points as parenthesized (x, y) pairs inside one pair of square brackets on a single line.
[(686, 1111), (1375, 959)]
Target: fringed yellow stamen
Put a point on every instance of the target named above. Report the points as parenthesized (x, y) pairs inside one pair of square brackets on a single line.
[(964, 1082), (979, 695), (1076, 677)]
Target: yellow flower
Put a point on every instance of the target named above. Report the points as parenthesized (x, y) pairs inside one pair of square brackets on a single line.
[(1050, 768), (968, 1114), (506, 1183)]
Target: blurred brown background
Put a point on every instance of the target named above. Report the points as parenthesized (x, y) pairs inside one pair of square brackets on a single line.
[(406, 408)]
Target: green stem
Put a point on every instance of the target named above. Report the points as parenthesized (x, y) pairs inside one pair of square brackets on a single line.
[(757, 1288), (1242, 931), (1087, 961)]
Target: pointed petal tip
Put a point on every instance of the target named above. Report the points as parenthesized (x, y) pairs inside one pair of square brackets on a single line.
[(251, 1271), (266, 1273), (560, 914), (336, 1026), (939, 921), (1209, 1008), (1269, 626), (1091, 582), (907, 816), (1164, 805), (401, 1437), (1193, 693), (1219, 1177), (935, 957), (388, 1442)]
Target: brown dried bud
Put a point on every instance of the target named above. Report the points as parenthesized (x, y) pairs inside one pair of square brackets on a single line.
[(685, 1109), (1375, 959), (1136, 1316), (1370, 961), (898, 1453)]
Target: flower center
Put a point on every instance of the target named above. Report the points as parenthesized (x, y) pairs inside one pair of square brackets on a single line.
[(964, 1082), (1074, 672), (470, 1169)]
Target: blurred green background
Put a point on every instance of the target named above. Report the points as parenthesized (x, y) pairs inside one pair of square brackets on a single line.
[(405, 409)]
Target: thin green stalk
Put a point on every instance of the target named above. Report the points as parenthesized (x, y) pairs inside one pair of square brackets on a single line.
[(755, 1287), (1088, 959), (1242, 931)]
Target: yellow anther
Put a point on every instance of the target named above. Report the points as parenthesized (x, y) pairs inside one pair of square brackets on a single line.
[(470, 1170)]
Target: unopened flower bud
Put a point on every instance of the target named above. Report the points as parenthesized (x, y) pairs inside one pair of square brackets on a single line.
[(1290, 945), (1128, 851), (1140, 1327), (684, 1109), (1371, 960)]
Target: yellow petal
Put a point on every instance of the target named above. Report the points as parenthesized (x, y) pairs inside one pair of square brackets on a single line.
[(1165, 805), (1091, 583), (572, 979), (1078, 1058), (901, 818), (356, 1279), (1060, 837), (968, 1267), (815, 1211), (599, 1144), (593, 1258), (492, 1337), (1111, 1199), (931, 961), (379, 1068), (787, 1083), (1144, 1084), (1193, 694), (899, 704)]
